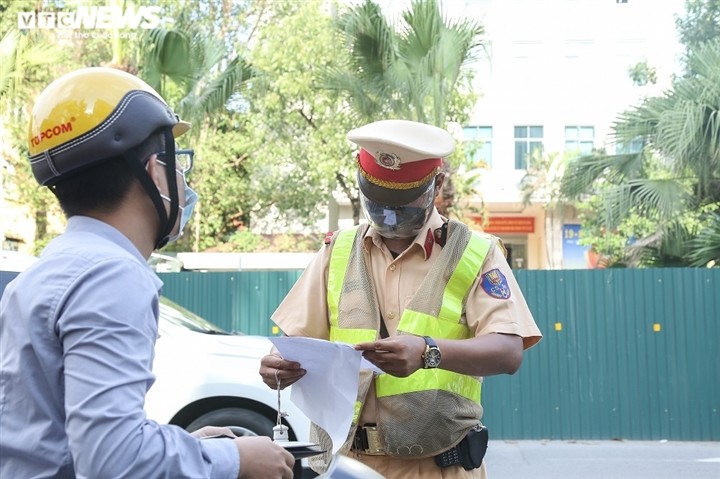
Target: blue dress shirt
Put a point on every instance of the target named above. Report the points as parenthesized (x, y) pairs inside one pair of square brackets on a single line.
[(77, 336)]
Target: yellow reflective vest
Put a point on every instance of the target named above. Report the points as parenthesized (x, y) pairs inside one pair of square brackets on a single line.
[(436, 311)]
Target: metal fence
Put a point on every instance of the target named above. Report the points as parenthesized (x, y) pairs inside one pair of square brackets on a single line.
[(627, 354), (631, 354)]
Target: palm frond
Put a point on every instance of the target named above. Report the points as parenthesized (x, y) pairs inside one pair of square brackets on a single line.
[(17, 53), (583, 172), (167, 52), (371, 38), (203, 73), (662, 197), (409, 68), (666, 246), (616, 202), (682, 125), (214, 96), (8, 49)]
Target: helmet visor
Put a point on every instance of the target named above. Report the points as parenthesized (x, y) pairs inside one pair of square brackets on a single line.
[(404, 221)]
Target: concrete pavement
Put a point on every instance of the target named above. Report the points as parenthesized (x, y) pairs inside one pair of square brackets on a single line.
[(603, 459)]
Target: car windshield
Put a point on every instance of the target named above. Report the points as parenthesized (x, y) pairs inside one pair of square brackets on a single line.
[(179, 316)]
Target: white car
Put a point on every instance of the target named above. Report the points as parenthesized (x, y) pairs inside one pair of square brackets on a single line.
[(207, 376)]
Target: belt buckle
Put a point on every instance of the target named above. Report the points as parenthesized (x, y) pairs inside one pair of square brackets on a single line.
[(374, 445)]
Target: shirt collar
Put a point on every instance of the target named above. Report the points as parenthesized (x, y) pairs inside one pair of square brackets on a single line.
[(87, 224)]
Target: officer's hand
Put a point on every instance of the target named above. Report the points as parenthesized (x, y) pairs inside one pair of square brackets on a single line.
[(398, 355), (261, 458), (273, 368)]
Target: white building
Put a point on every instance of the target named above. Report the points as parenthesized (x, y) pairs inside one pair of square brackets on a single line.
[(556, 75)]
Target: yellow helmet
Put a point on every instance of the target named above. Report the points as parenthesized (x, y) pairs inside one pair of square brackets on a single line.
[(90, 115)]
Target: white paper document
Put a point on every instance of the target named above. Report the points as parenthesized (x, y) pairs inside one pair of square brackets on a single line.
[(327, 393)]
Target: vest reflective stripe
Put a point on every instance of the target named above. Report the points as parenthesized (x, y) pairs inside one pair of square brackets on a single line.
[(422, 324), (466, 386), (462, 278), (351, 336), (356, 411), (339, 258)]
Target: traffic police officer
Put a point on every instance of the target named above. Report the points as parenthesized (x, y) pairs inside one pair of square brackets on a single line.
[(431, 303)]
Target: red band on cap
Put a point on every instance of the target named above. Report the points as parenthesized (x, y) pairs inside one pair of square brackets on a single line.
[(407, 176)]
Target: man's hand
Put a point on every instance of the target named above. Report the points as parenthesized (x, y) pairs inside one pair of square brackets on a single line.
[(274, 368), (263, 459), (398, 355)]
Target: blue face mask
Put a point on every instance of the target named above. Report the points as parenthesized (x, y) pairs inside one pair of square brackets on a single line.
[(186, 211), (191, 198)]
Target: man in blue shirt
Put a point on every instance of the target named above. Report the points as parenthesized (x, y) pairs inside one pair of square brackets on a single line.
[(78, 328)]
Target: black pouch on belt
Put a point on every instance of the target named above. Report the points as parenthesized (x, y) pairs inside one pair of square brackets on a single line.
[(469, 453)]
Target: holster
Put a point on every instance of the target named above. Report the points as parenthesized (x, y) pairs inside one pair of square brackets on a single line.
[(469, 453)]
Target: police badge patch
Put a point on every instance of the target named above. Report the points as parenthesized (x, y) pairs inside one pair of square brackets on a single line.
[(495, 284), (388, 160)]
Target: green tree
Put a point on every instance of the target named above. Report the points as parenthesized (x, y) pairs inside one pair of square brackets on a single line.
[(298, 153), (191, 64), (642, 73), (191, 68), (414, 68), (700, 24)]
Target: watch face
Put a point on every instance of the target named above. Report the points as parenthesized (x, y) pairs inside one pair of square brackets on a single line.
[(432, 358)]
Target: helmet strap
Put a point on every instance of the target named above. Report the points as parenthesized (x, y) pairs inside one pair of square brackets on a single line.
[(136, 165), (172, 185)]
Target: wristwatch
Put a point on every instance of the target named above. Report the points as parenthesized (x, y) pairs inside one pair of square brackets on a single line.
[(431, 356)]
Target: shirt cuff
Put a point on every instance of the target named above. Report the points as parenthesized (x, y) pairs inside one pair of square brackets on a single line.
[(223, 456)]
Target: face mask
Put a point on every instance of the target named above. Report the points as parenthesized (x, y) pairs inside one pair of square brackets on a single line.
[(396, 222), (191, 198), (186, 211)]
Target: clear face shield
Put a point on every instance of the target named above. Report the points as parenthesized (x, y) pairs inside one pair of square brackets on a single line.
[(405, 221)]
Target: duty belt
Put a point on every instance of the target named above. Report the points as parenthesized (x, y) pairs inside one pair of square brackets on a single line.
[(367, 441)]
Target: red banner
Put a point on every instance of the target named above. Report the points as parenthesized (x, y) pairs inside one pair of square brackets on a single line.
[(510, 224)]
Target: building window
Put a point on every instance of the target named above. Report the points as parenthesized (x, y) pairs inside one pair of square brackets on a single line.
[(630, 148), (528, 140), (478, 144), (579, 139), (11, 244)]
